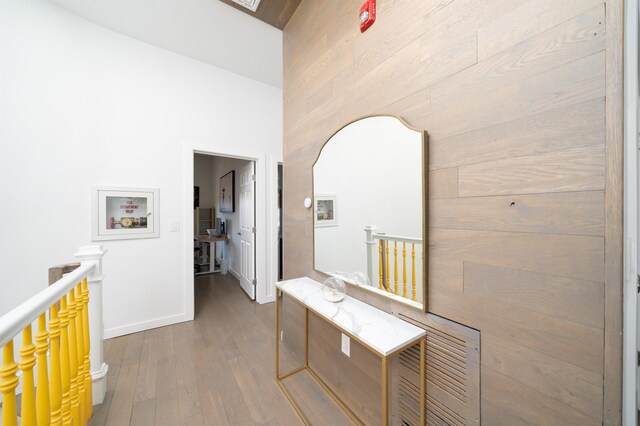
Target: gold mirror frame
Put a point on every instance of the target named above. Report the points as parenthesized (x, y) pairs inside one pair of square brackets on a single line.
[(425, 207)]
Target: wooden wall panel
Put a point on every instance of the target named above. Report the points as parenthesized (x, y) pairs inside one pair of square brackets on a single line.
[(524, 21), (274, 12), (521, 102), (576, 126), (546, 373), (538, 292), (579, 213), (613, 217)]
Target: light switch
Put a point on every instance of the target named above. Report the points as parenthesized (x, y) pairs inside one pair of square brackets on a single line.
[(175, 225), (346, 345)]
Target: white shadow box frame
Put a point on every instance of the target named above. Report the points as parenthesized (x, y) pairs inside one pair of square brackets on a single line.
[(122, 213), (325, 211)]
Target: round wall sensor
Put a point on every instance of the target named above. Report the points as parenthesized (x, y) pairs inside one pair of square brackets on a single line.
[(307, 202)]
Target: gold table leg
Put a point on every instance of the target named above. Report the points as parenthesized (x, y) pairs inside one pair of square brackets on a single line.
[(306, 337), (423, 383), (385, 391)]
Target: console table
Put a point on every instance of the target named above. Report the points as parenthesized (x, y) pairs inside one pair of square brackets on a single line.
[(381, 333)]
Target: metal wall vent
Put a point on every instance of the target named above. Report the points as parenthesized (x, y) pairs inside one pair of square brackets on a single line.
[(252, 5), (453, 375)]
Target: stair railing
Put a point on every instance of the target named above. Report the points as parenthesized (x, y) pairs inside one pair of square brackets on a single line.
[(393, 276), (70, 375)]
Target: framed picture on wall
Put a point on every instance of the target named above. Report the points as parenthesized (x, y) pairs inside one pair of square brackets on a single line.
[(325, 211), (227, 195), (124, 213)]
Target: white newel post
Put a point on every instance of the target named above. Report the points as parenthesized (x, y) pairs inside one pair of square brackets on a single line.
[(92, 255), (371, 250)]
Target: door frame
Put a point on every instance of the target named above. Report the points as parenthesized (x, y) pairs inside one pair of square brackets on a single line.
[(631, 217), (266, 191)]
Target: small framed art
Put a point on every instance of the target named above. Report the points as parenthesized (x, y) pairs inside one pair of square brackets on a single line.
[(124, 213), (325, 211)]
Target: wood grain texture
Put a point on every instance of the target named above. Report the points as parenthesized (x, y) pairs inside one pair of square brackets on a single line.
[(525, 21), (565, 340), (562, 381), (576, 213), (580, 169), (355, 379), (274, 12), (216, 370), (539, 292), (521, 101), (443, 183), (526, 404), (580, 125), (613, 216)]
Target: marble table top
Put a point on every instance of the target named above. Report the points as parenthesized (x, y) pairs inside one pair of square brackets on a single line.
[(383, 332)]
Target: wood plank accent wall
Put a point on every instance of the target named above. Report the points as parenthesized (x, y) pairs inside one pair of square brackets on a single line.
[(274, 12), (522, 103)]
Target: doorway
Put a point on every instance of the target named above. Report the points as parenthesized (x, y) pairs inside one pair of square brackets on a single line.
[(224, 220)]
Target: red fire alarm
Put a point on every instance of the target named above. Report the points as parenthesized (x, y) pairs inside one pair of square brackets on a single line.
[(367, 15)]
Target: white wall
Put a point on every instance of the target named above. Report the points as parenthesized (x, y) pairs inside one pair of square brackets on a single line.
[(80, 106)]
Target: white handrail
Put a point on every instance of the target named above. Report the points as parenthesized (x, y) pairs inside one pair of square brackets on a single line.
[(14, 321), (380, 236)]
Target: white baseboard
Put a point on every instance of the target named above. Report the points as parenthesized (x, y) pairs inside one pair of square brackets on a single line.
[(110, 333), (234, 273)]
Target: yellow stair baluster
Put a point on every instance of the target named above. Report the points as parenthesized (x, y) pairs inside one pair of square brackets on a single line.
[(388, 281), (395, 267), (65, 373), (82, 397), (55, 383), (87, 348), (8, 385), (404, 270), (43, 407), (413, 272), (381, 274), (73, 359), (26, 363)]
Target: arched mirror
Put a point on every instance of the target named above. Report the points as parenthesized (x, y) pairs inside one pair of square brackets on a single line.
[(370, 208)]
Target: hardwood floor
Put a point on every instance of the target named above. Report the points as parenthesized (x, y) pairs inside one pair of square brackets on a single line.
[(216, 370)]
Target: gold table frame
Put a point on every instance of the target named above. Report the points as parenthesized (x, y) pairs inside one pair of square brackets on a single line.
[(385, 359)]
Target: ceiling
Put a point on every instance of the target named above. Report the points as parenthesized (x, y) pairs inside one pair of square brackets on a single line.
[(206, 30), (273, 12)]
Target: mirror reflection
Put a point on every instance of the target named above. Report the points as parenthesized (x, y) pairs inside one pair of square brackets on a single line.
[(368, 189)]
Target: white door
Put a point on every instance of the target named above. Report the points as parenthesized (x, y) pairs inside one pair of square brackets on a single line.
[(247, 230)]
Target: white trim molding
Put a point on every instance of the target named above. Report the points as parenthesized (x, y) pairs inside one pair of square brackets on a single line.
[(630, 402), (266, 169)]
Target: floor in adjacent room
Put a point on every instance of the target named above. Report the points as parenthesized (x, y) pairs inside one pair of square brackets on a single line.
[(216, 370)]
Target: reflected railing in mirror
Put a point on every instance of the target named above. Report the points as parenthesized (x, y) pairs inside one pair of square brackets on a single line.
[(380, 247)]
